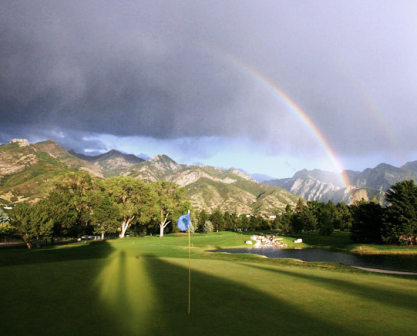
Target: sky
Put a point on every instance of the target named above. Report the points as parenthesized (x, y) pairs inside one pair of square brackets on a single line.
[(266, 86)]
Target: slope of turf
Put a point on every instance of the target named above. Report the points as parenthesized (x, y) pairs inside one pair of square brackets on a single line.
[(139, 286)]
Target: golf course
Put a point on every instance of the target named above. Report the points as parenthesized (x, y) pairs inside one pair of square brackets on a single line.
[(140, 286)]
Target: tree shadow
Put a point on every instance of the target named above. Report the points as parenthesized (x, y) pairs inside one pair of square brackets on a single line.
[(224, 307), (52, 292), (368, 292), (56, 253)]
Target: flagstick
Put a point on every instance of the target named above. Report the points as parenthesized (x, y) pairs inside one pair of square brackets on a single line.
[(189, 267)]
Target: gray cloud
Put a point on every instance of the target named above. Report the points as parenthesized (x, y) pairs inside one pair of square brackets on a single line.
[(161, 69)]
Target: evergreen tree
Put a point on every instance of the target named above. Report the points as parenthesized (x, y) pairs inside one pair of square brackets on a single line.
[(276, 223), (253, 223), (217, 220), (228, 222), (202, 218), (400, 219), (325, 224), (367, 222), (286, 221), (345, 216), (244, 222), (297, 224)]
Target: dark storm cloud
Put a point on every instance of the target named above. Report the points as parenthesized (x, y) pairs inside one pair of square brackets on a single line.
[(161, 69), (104, 69)]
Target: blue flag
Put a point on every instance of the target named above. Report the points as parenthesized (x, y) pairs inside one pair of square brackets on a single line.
[(184, 222)]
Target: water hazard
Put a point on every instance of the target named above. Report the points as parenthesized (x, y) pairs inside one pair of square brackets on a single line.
[(392, 262)]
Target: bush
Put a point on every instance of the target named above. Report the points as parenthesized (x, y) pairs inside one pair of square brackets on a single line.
[(208, 227)]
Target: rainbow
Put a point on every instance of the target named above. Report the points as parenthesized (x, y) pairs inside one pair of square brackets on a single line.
[(372, 107), (300, 114)]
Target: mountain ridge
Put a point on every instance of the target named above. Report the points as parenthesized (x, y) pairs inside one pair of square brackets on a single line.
[(20, 160), (317, 185), (209, 188)]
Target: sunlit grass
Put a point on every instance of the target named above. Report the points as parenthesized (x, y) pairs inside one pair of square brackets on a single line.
[(126, 290)]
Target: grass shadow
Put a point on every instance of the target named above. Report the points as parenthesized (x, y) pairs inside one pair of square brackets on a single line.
[(386, 297), (223, 307), (52, 292), (55, 253)]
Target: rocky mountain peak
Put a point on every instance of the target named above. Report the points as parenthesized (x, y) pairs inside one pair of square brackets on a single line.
[(242, 174), (20, 142)]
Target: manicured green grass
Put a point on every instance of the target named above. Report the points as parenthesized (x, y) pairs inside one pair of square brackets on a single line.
[(340, 240), (139, 286)]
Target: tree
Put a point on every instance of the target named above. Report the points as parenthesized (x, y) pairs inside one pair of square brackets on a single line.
[(253, 223), (275, 223), (367, 222), (325, 224), (31, 222), (70, 203), (244, 222), (134, 198), (286, 219), (217, 220), (400, 219), (62, 209), (333, 214), (5, 227), (208, 227), (297, 223), (104, 214), (345, 216), (170, 200), (306, 217), (202, 218), (228, 221)]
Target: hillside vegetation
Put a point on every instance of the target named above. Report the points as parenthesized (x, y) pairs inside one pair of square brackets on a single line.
[(26, 172)]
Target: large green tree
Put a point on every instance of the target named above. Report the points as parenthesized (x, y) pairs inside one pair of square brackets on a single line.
[(400, 219), (31, 222), (170, 202), (134, 198), (303, 218), (104, 214), (70, 203)]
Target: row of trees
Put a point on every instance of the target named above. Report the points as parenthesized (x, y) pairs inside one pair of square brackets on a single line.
[(80, 204), (368, 222), (307, 217)]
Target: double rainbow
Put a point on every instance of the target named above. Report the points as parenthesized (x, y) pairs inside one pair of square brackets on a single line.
[(300, 114)]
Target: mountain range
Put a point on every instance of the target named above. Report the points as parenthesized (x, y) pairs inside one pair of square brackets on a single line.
[(323, 186), (28, 170)]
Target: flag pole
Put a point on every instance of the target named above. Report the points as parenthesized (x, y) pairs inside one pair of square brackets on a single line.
[(189, 267)]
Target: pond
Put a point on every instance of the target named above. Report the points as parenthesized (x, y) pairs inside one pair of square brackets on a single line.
[(392, 262)]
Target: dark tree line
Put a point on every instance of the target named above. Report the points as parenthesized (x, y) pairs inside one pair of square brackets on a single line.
[(395, 223)]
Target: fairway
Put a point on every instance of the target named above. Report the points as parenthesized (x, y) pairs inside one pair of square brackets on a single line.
[(139, 286)]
